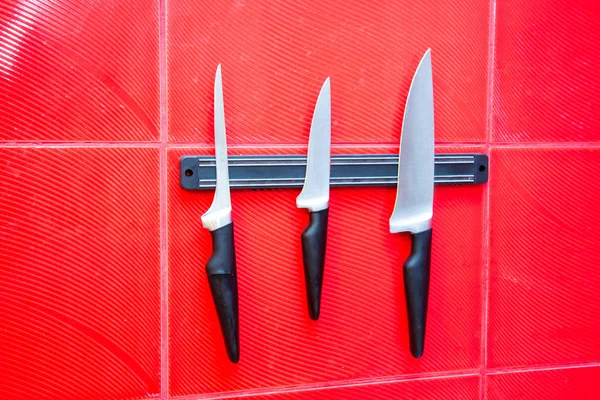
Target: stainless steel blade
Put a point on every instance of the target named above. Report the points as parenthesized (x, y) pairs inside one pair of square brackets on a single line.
[(414, 200), (315, 193), (219, 213)]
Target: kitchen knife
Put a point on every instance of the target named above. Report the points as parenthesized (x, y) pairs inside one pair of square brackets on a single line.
[(414, 199), (315, 197), (221, 267)]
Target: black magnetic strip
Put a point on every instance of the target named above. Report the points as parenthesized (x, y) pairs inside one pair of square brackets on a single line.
[(288, 171)]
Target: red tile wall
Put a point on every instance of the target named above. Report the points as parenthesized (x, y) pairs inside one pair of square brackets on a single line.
[(102, 254), (555, 383), (276, 55), (464, 387), (79, 71), (79, 273), (360, 333), (543, 286)]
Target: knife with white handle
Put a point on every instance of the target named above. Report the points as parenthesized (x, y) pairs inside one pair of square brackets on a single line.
[(414, 199), (315, 198), (221, 267)]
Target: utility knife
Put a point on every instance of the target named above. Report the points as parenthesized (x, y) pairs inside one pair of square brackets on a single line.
[(221, 267), (315, 198), (414, 199)]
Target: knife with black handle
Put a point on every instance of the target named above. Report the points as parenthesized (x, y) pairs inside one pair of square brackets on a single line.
[(221, 266), (315, 198), (414, 199)]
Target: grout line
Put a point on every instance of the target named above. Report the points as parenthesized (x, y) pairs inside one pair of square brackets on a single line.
[(164, 143), (182, 145), (164, 283), (565, 145), (515, 370), (459, 144), (330, 385), (164, 271), (164, 135), (8, 144), (485, 284), (304, 145), (491, 71)]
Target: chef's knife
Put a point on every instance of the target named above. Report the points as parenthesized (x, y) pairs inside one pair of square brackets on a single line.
[(221, 267), (315, 197), (414, 200)]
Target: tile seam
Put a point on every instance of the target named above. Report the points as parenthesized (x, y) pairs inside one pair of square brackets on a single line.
[(332, 385), (164, 275), (486, 212)]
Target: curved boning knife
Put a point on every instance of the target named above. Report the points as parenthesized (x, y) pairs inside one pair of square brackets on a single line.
[(221, 267)]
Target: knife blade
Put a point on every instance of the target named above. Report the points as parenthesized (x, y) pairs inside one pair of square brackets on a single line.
[(221, 267), (315, 197), (413, 210)]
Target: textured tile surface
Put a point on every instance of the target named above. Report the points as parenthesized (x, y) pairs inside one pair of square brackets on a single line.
[(558, 384), (80, 228), (362, 331), (544, 257), (79, 274), (276, 55), (463, 388), (79, 70)]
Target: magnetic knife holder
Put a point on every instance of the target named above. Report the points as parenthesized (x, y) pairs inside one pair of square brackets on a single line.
[(288, 171)]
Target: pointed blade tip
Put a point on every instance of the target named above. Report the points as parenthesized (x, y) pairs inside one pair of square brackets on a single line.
[(326, 86), (426, 59), (218, 74)]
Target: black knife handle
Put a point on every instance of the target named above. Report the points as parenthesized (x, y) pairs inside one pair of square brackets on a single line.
[(222, 278), (314, 240), (416, 287)]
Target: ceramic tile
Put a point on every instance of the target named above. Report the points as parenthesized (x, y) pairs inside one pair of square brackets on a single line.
[(543, 257), (79, 273), (276, 55), (362, 331), (79, 70)]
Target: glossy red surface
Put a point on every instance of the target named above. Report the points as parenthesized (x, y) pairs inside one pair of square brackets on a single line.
[(558, 384), (79, 274), (430, 389), (276, 55), (102, 254), (362, 331), (544, 257), (79, 70)]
